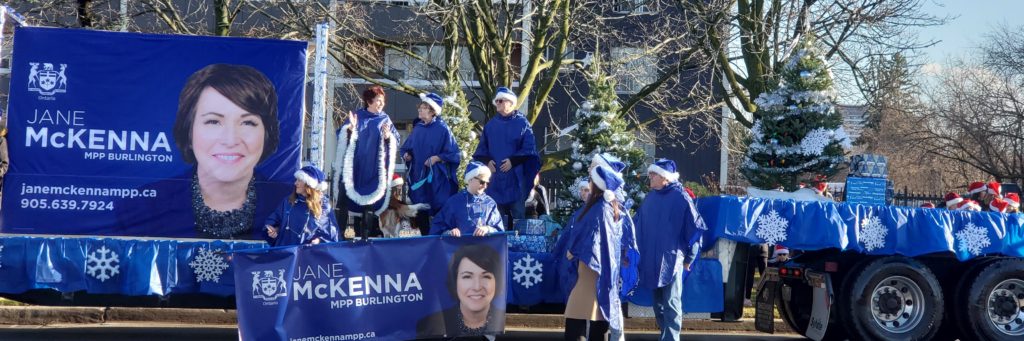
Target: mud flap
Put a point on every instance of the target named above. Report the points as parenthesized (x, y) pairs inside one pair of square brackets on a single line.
[(767, 291), (821, 306)]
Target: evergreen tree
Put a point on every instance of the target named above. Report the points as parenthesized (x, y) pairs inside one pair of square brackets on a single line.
[(797, 134), (456, 114), (601, 128)]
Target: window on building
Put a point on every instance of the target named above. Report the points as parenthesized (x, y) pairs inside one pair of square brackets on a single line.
[(567, 55), (635, 6), (633, 69), (430, 65)]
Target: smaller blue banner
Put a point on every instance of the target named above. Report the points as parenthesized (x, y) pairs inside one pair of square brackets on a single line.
[(865, 191)]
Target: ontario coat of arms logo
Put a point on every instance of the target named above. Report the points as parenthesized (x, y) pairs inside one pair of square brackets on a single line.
[(267, 286), (47, 81)]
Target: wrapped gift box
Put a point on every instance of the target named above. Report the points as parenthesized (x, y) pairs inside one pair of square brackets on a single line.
[(532, 227), (529, 243)]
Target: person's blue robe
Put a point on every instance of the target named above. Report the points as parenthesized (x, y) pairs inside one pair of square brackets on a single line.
[(669, 231), (599, 241), (509, 138), (367, 165), (465, 212), (296, 225), (438, 182)]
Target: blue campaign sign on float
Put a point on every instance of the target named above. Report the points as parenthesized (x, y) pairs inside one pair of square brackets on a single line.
[(150, 135), (395, 289)]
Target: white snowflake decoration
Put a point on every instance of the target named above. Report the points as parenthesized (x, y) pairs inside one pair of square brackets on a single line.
[(772, 228), (973, 239), (814, 142), (872, 233), (208, 266), (527, 271), (102, 264)]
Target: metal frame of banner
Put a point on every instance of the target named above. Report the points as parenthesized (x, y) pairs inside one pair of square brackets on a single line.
[(319, 114)]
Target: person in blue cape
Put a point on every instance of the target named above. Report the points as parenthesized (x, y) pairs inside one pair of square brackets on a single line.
[(367, 147), (471, 212), (669, 230), (432, 157), (595, 245), (508, 148), (611, 161), (305, 217)]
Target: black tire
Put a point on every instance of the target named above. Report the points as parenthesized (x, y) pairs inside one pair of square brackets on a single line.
[(994, 308), (797, 314), (959, 301), (909, 301), (842, 296)]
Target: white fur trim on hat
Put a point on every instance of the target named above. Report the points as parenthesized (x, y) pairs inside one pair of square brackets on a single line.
[(670, 176), (952, 202), (397, 182), (310, 181), (603, 160), (505, 95), (599, 182), (431, 103), (476, 172)]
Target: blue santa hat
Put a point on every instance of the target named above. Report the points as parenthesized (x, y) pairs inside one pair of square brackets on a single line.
[(475, 169), (312, 177), (607, 180), (609, 161), (434, 101), (666, 168), (505, 93)]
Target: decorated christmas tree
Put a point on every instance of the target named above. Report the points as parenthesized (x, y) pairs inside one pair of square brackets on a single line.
[(456, 115), (600, 128), (797, 134)]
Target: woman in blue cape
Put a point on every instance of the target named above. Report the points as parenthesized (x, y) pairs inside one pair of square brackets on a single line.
[(508, 148), (470, 212), (305, 217), (367, 146), (669, 230), (432, 158), (595, 243)]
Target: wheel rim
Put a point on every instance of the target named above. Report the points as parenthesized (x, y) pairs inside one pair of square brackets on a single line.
[(897, 304), (1005, 307)]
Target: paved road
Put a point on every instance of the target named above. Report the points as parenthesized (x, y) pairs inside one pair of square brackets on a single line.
[(133, 332)]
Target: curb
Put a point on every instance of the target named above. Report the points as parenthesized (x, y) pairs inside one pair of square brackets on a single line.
[(43, 316)]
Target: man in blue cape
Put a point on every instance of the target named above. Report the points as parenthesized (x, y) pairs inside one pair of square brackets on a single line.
[(508, 148), (669, 233), (471, 211), (432, 157)]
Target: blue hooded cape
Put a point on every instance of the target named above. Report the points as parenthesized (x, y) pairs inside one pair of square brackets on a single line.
[(509, 138), (601, 242), (296, 225), (465, 211), (366, 162), (669, 230), (427, 140)]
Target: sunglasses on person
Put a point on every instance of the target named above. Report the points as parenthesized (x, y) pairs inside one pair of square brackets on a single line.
[(481, 181)]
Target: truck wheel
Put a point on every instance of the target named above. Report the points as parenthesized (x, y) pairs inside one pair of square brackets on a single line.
[(995, 302), (895, 298), (959, 300), (797, 314)]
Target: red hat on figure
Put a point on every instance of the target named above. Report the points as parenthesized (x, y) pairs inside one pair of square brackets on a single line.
[(821, 187), (976, 187), (927, 205), (994, 188), (953, 199), (969, 205), (998, 205), (396, 180), (1013, 199)]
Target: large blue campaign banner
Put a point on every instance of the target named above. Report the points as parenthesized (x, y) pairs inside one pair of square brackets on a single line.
[(395, 289), (126, 134)]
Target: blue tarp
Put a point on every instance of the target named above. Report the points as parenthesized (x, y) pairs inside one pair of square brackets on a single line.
[(877, 230), (160, 267)]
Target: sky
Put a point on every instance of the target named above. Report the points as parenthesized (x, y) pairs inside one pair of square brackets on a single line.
[(972, 20)]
